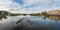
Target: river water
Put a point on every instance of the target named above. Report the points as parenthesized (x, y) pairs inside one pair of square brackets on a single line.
[(28, 21)]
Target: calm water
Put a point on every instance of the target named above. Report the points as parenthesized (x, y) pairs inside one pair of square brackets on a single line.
[(34, 21)]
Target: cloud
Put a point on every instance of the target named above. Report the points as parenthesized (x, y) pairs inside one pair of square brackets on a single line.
[(29, 6), (42, 5), (9, 4), (4, 4), (19, 2), (23, 11), (56, 0), (41, 2)]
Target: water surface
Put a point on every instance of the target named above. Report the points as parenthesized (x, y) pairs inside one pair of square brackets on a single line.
[(33, 21)]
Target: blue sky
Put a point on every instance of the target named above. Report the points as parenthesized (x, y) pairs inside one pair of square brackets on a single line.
[(31, 6)]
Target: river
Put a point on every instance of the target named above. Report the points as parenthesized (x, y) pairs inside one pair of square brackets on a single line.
[(33, 22)]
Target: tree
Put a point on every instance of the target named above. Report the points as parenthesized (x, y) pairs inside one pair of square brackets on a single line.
[(43, 13), (3, 14)]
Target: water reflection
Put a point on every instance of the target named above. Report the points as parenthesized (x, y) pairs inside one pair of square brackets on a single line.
[(4, 17), (34, 23), (54, 17)]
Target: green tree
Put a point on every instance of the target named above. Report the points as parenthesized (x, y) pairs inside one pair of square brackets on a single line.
[(3, 14), (43, 13)]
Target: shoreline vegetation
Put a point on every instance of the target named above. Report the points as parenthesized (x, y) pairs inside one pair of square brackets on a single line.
[(6, 13), (3, 14)]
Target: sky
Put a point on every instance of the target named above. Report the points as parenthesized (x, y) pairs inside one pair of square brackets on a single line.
[(29, 6)]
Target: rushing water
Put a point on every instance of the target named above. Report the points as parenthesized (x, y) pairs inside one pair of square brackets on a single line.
[(27, 21)]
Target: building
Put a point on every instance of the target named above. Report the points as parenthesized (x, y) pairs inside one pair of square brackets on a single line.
[(54, 12)]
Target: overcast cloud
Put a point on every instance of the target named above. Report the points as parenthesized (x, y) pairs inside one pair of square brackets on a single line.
[(30, 6)]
